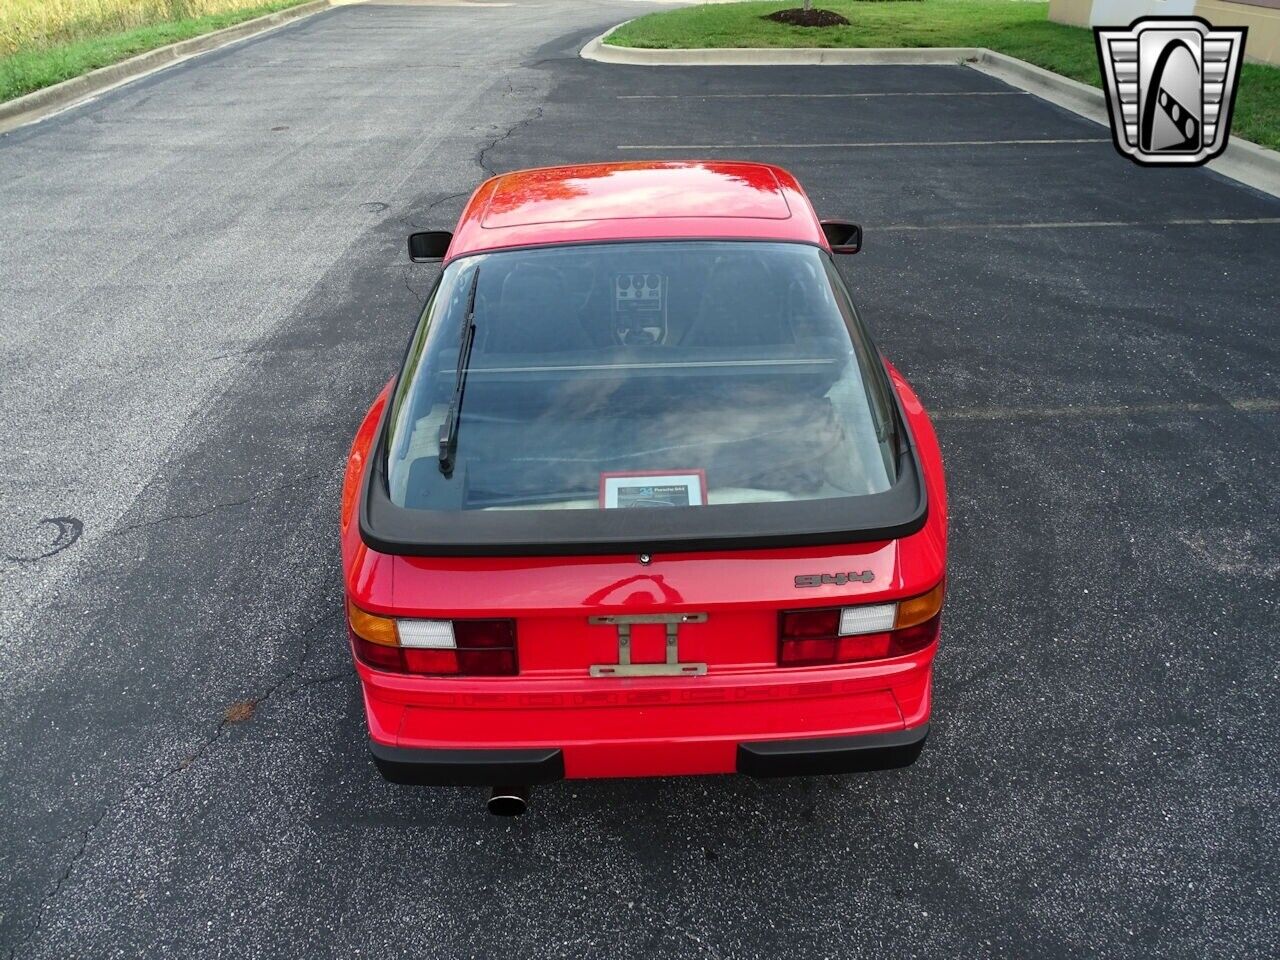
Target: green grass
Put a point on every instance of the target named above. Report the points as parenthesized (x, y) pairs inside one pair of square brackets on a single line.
[(33, 69), (1019, 29)]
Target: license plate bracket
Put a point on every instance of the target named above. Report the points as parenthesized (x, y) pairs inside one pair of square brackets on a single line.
[(671, 667)]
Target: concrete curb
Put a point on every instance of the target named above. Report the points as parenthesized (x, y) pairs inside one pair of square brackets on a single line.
[(1080, 98), (597, 49), (42, 103), (1243, 161)]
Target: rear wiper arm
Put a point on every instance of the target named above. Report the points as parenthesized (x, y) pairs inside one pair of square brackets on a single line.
[(453, 416)]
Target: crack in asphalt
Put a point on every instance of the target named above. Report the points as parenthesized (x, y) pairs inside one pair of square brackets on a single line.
[(480, 160), (534, 115), (58, 883), (409, 222), (223, 505), (256, 349), (418, 297), (309, 636), (499, 140), (530, 64), (327, 678)]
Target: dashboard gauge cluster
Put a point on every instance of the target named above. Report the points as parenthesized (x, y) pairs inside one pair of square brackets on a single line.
[(640, 308)]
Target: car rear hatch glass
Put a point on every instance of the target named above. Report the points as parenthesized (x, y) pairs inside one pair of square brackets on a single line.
[(598, 397)]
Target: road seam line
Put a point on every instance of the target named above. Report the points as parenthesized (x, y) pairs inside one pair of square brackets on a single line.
[(823, 96), (1079, 224), (882, 143), (1249, 405)]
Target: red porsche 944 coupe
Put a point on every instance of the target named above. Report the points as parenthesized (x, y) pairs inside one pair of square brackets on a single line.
[(644, 498)]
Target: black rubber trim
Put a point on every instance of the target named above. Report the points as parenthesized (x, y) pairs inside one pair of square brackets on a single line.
[(790, 758), (478, 768), (897, 512)]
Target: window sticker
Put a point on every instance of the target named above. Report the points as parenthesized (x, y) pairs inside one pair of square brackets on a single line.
[(661, 489)]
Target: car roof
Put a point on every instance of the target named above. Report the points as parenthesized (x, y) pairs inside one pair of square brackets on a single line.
[(642, 200)]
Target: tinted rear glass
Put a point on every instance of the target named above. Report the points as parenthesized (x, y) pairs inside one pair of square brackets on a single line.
[(641, 375)]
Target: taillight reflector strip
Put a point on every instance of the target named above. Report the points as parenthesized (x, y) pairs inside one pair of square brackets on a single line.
[(875, 618), (426, 634)]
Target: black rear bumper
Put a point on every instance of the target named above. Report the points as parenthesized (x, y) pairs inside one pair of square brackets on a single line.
[(477, 768), (789, 758), (767, 758)]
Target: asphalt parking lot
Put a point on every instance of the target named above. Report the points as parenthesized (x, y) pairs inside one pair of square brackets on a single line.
[(205, 286)]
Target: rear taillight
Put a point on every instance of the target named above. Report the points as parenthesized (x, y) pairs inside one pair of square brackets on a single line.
[(474, 648), (875, 631)]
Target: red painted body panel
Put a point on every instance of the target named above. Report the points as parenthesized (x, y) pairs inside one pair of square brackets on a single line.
[(645, 200), (649, 727), (610, 726), (645, 726)]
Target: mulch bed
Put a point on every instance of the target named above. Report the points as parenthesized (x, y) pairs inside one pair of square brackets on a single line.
[(799, 17)]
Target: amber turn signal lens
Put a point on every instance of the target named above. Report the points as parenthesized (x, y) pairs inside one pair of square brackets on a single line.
[(921, 608), (370, 627)]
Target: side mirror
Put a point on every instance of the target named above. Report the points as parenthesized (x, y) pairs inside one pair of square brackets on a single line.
[(429, 246), (844, 237)]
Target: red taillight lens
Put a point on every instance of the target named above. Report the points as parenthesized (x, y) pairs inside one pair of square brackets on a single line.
[(434, 647), (376, 655), (487, 663), (800, 653), (809, 638), (486, 648), (484, 634), (912, 639), (430, 661), (810, 623), (873, 646)]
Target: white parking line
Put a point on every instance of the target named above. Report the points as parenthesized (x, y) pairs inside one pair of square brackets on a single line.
[(1082, 224), (821, 96), (881, 143), (1252, 405)]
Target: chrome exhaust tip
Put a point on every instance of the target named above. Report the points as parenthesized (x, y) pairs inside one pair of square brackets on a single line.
[(509, 801)]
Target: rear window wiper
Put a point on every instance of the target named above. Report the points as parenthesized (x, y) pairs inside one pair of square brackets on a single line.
[(453, 416)]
